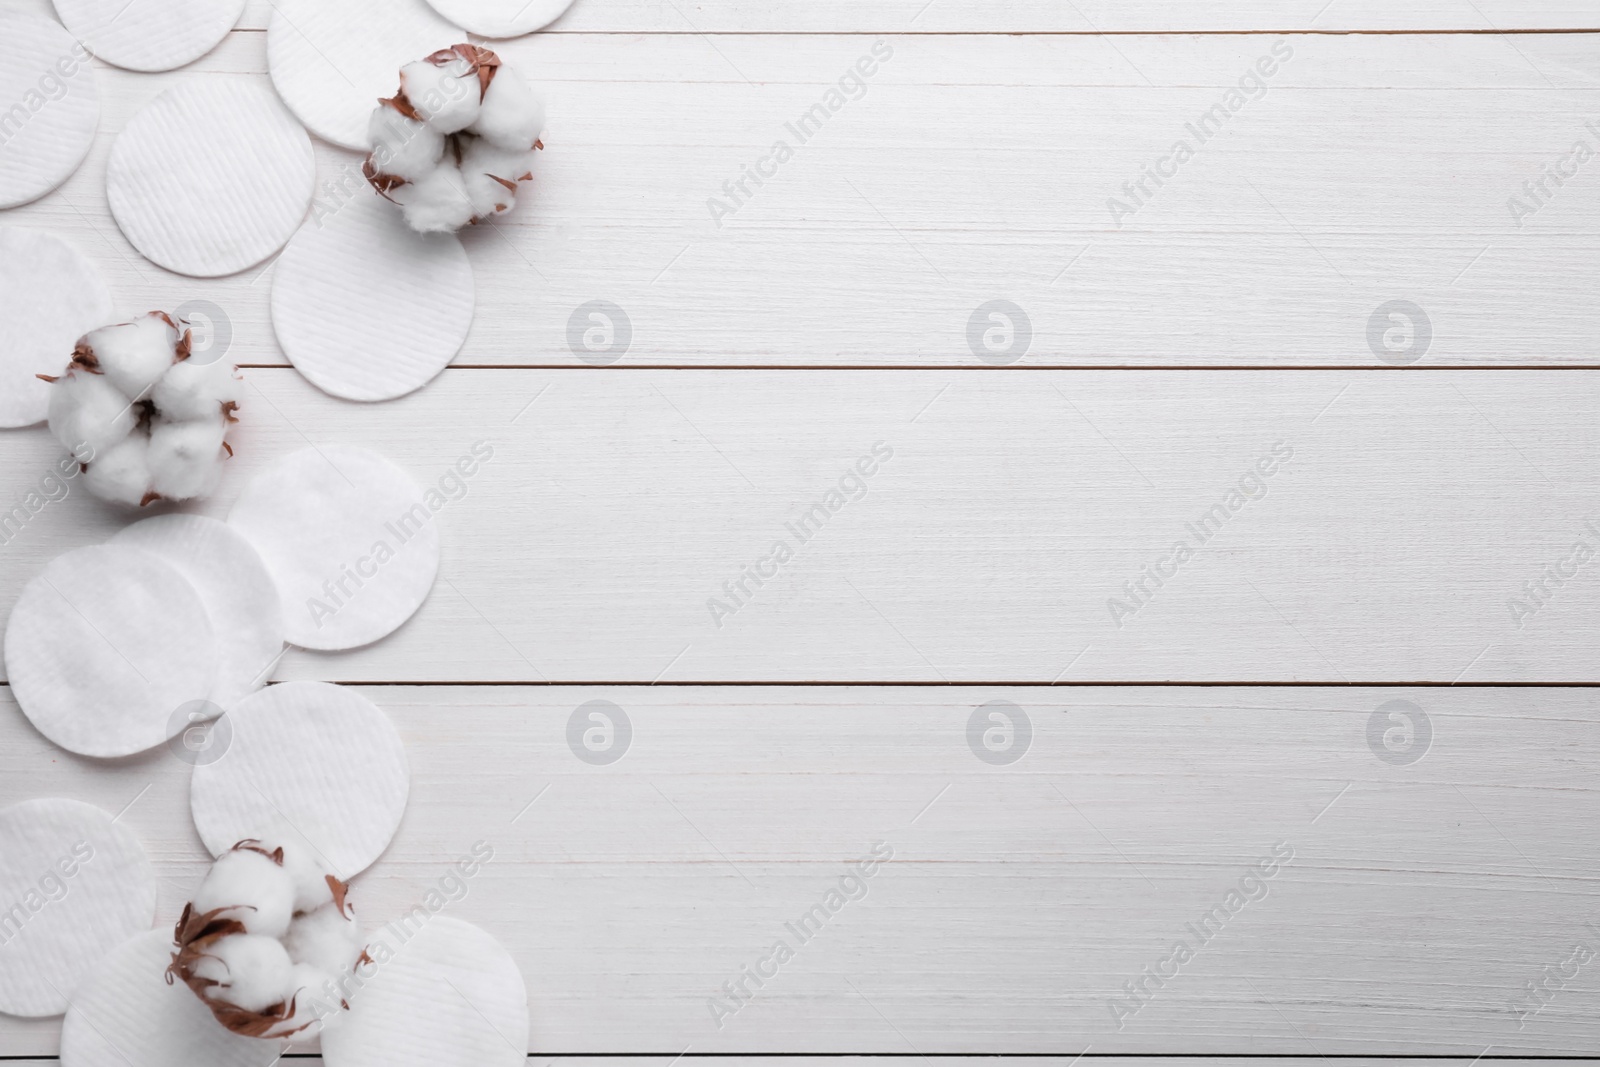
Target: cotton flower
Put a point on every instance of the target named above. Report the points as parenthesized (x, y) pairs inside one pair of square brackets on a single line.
[(145, 421), (452, 146), (262, 946)]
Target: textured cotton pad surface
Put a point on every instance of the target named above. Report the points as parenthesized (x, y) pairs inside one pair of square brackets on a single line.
[(51, 105), (450, 997), (78, 883), (105, 647), (150, 34), (333, 59), (211, 177), (49, 297), (127, 1015), (348, 539), (320, 758), (239, 595), (501, 18), (367, 308)]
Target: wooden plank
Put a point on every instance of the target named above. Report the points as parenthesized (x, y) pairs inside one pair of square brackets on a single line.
[(978, 169), (596, 543), (1050, 16), (1019, 898)]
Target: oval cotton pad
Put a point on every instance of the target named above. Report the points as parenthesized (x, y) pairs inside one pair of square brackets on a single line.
[(238, 593), (451, 996), (128, 1015), (105, 646), (501, 18), (49, 297), (318, 757), (211, 177), (370, 39), (149, 34), (348, 539), (76, 884), (367, 308), (51, 107)]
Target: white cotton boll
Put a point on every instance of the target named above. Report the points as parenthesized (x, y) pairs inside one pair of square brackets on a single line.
[(134, 355), (192, 390), (512, 114), (88, 414), (447, 97), (403, 147), (438, 203), (482, 162), (185, 457), (253, 888), (325, 939), (252, 971), (300, 863), (121, 474)]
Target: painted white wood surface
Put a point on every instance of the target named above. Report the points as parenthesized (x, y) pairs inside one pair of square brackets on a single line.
[(1375, 168), (1019, 898), (1016, 505), (1055, 16)]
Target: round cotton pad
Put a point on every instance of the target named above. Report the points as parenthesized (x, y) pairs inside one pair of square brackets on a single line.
[(49, 297), (76, 884), (105, 646), (318, 757), (370, 39), (128, 1015), (367, 308), (501, 18), (150, 34), (51, 107), (211, 177), (347, 537), (238, 593), (451, 996)]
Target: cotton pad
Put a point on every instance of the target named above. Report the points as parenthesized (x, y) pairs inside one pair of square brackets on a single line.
[(51, 107), (348, 539), (450, 996), (501, 18), (150, 34), (76, 883), (127, 1015), (367, 308), (317, 757), (105, 647), (332, 59), (49, 297), (238, 593), (211, 177)]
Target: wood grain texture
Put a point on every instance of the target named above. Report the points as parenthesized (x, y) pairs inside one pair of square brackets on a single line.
[(981, 168), (1418, 901), (1389, 547)]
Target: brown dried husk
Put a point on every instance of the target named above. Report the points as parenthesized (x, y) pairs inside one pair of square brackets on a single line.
[(197, 933)]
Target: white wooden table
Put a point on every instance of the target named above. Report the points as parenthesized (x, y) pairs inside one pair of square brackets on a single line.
[(1156, 744)]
